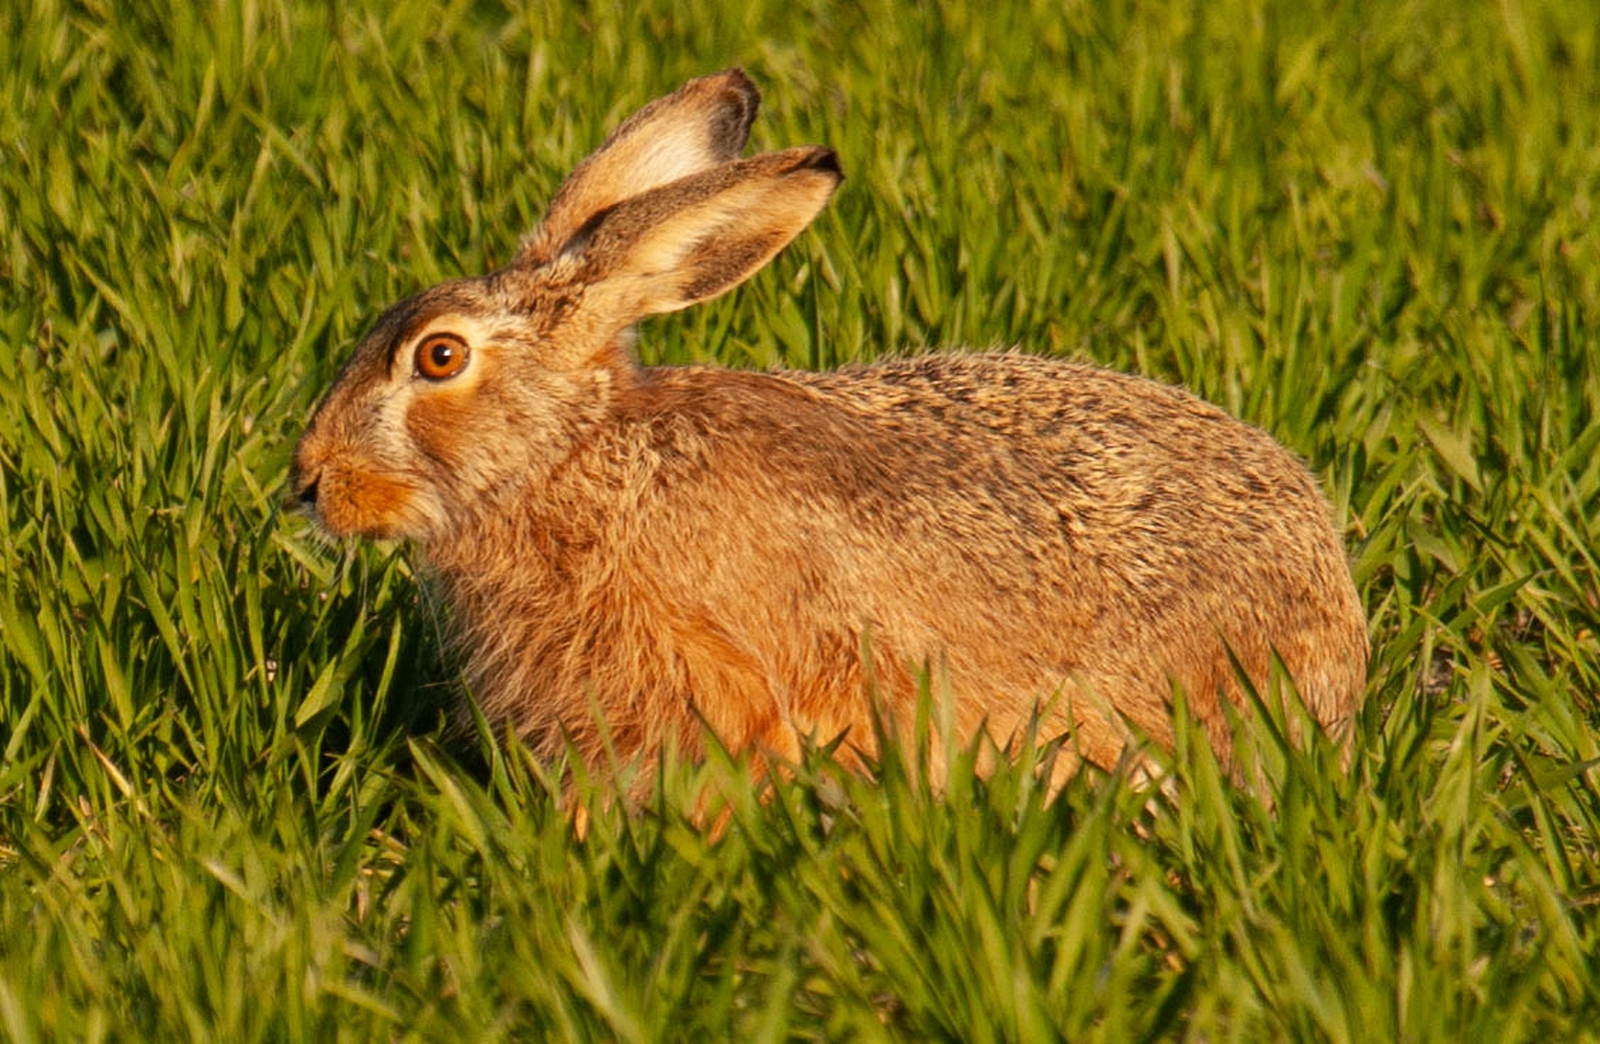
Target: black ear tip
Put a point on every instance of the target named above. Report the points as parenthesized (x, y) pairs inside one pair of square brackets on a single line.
[(737, 85), (822, 158), (739, 80)]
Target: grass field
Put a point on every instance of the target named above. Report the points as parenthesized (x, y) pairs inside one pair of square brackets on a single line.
[(227, 809)]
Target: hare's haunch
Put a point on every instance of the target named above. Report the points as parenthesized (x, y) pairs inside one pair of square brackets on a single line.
[(693, 547)]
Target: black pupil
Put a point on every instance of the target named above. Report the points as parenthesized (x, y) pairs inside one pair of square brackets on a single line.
[(442, 355)]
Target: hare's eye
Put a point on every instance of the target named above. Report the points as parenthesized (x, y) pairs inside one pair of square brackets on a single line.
[(441, 356)]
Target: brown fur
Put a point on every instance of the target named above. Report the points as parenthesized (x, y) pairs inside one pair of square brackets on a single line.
[(682, 546)]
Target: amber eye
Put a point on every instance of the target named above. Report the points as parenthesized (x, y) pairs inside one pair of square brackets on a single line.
[(441, 356)]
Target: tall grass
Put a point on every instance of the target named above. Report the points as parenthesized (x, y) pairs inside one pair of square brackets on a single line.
[(227, 808)]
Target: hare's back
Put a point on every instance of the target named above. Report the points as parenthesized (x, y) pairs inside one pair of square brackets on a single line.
[(1126, 523), (1095, 441), (972, 474), (1129, 492)]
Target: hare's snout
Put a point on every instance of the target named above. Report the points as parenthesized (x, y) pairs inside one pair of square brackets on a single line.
[(305, 492), (302, 493), (350, 495)]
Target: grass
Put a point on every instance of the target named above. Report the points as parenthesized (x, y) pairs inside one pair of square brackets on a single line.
[(227, 809)]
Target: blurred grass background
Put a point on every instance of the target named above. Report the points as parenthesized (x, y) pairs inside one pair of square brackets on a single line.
[(226, 812)]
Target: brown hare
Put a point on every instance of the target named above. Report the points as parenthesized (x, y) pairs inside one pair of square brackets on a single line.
[(637, 554)]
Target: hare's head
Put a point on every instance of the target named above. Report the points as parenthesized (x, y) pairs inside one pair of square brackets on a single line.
[(473, 389)]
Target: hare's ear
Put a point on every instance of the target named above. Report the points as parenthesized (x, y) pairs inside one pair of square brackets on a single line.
[(702, 124), (697, 237)]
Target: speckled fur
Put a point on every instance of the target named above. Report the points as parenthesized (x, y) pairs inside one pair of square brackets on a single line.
[(679, 547)]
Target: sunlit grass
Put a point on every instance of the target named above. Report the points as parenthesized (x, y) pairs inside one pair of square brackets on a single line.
[(228, 807)]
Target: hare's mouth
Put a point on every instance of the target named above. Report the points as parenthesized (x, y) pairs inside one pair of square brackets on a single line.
[(346, 502)]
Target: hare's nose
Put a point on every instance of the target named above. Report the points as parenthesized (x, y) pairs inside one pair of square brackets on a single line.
[(305, 490)]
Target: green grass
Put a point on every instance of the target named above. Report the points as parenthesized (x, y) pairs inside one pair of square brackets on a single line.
[(227, 808)]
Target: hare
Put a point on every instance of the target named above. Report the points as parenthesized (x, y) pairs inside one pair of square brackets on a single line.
[(632, 555)]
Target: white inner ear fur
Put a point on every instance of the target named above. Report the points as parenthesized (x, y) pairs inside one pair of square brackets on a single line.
[(677, 153)]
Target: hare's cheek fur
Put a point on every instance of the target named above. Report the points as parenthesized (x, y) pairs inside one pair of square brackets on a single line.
[(439, 424)]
